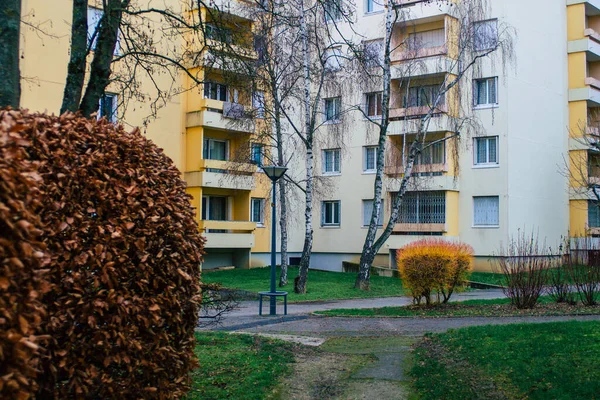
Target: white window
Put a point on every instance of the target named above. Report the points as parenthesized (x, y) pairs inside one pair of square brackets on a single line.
[(216, 91), (485, 150), (485, 92), (427, 39), (373, 53), (330, 213), (486, 211), (108, 107), (94, 16), (215, 149), (370, 158), (485, 35), (258, 103), (333, 107), (333, 10), (331, 161), (256, 153), (373, 104), (368, 211), (375, 5), (257, 211), (423, 96), (333, 58)]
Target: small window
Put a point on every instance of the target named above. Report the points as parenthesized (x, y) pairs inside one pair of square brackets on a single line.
[(373, 104), (374, 6), (258, 103), (333, 58), (108, 107), (216, 91), (331, 161), (486, 150), (370, 158), (486, 211), (330, 213), (373, 53), (485, 92), (257, 211), (485, 35), (333, 10), (256, 153), (593, 214), (368, 211), (94, 16), (215, 149), (332, 109)]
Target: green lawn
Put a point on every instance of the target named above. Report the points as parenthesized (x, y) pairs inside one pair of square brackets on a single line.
[(238, 366), (486, 277), (535, 361), (469, 308), (321, 285)]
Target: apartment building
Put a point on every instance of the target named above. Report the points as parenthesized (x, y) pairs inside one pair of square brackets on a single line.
[(509, 173)]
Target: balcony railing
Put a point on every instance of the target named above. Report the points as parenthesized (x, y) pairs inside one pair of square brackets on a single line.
[(434, 169), (409, 54), (414, 112), (222, 175), (228, 226)]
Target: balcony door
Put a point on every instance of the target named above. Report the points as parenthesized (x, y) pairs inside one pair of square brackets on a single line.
[(215, 149), (214, 208)]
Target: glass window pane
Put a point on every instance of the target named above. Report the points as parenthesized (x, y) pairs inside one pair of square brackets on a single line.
[(493, 158), (492, 90), (481, 151)]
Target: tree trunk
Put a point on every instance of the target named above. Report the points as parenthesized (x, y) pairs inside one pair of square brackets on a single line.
[(77, 61), (300, 281), (283, 278), (10, 36), (103, 55)]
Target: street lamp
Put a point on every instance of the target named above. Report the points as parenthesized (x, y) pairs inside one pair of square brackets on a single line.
[(274, 172)]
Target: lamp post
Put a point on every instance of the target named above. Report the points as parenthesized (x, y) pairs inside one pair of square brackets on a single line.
[(274, 172)]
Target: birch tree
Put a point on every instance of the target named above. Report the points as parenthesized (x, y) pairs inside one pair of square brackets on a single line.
[(472, 43)]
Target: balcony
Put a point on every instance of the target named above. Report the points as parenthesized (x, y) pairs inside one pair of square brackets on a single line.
[(222, 175), (427, 180), (423, 63), (416, 112), (421, 9), (220, 115), (398, 170), (589, 93), (592, 7), (408, 126), (590, 44), (235, 234)]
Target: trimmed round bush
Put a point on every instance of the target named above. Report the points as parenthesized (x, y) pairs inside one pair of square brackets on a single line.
[(434, 266), (124, 260)]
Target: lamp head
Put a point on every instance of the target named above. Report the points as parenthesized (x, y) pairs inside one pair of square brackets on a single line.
[(274, 172)]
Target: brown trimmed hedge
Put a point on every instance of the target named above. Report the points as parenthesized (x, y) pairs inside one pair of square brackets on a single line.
[(125, 253)]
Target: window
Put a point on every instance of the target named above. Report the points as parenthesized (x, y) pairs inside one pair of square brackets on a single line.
[(220, 34), (331, 161), (333, 11), (332, 109), (486, 211), (108, 107), (427, 39), (422, 208), (330, 213), (94, 16), (485, 35), (370, 159), (368, 211), (375, 6), (216, 91), (373, 104), (258, 103), (257, 211), (486, 150), (333, 58), (432, 154), (373, 53), (593, 214), (485, 92), (214, 208), (423, 96), (215, 149), (256, 153)]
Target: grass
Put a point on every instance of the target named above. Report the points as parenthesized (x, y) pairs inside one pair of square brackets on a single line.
[(238, 366), (469, 308), (536, 361), (487, 277), (321, 285)]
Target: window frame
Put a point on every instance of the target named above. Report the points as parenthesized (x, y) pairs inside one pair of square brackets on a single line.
[(337, 103), (333, 223), (333, 61), (476, 39), (218, 91), (373, 57), (488, 104), (365, 224), (324, 162), (487, 163), (253, 153), (206, 141), (261, 204), (258, 103), (372, 3), (481, 225), (115, 105), (332, 16), (94, 17), (366, 168), (378, 98)]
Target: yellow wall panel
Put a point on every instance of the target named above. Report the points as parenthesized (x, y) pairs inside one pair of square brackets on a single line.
[(578, 217), (575, 21)]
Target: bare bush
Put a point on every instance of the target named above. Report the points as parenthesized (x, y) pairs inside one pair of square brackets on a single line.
[(583, 268), (524, 265)]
